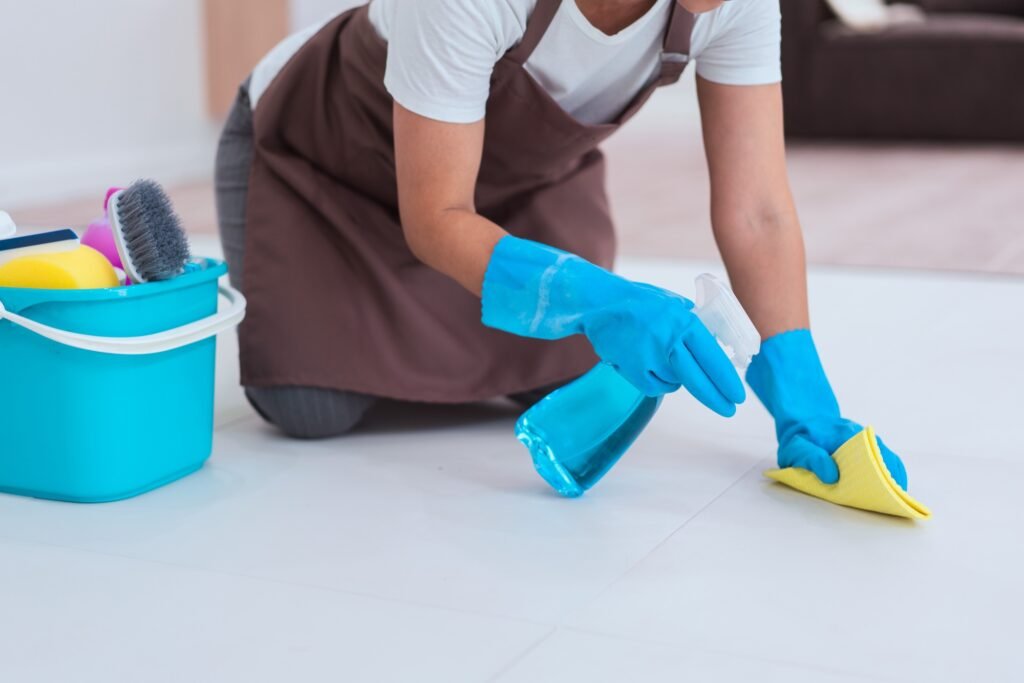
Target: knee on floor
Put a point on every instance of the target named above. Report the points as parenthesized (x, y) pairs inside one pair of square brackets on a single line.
[(309, 412)]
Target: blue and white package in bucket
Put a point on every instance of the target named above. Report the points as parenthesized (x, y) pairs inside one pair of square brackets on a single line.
[(108, 393)]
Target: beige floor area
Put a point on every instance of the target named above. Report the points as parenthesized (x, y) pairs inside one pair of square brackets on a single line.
[(946, 207), (932, 206)]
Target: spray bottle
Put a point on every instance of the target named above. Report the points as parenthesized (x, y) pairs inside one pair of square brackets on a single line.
[(577, 433)]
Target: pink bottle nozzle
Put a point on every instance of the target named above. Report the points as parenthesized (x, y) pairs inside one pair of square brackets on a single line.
[(110, 193), (100, 236)]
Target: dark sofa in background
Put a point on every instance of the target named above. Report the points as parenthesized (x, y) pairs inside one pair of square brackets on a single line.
[(957, 76)]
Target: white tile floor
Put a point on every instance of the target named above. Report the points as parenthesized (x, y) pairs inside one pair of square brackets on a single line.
[(425, 549)]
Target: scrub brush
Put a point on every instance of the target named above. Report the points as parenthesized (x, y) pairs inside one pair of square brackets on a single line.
[(148, 233)]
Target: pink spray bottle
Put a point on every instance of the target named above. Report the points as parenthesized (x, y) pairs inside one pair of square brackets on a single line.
[(100, 236)]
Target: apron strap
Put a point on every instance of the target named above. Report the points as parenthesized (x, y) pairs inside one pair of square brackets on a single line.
[(675, 54), (536, 26)]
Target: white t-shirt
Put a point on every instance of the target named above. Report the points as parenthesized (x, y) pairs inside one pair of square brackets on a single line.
[(441, 53)]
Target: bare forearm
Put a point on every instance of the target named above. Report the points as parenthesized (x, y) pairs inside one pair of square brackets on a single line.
[(456, 242), (437, 165), (752, 210), (764, 255)]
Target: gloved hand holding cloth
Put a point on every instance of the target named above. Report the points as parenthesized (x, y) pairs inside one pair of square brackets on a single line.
[(650, 335), (788, 377)]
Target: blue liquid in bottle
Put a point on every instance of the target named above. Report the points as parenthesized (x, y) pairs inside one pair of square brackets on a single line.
[(577, 433)]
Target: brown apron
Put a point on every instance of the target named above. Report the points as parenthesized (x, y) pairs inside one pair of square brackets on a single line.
[(336, 298)]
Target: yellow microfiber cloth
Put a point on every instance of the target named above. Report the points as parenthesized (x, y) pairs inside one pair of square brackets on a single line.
[(864, 481), (81, 268)]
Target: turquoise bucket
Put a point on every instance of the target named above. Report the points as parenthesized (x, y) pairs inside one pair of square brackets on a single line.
[(108, 393)]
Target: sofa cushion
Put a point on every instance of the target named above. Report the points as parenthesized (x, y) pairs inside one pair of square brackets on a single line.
[(953, 77), (1011, 7), (962, 28)]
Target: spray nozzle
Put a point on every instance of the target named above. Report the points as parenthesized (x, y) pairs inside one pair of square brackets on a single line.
[(722, 314)]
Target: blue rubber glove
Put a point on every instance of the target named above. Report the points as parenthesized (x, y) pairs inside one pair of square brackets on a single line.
[(788, 378), (650, 335)]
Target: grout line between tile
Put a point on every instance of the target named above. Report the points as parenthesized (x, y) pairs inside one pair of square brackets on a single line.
[(562, 620), (233, 421), (727, 653), (522, 655), (279, 582)]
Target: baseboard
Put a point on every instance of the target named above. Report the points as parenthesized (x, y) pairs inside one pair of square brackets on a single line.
[(53, 181)]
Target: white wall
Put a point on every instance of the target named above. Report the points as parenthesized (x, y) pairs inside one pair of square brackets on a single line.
[(99, 92), (308, 12)]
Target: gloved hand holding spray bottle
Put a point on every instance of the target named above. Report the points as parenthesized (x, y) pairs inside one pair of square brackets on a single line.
[(651, 342)]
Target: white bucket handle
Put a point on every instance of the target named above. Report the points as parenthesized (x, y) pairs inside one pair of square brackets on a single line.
[(149, 344)]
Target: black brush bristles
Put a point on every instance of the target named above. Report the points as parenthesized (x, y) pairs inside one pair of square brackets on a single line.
[(153, 237)]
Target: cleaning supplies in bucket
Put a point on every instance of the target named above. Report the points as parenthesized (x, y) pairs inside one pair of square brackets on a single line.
[(141, 234), (53, 260), (69, 356), (147, 232), (577, 434), (81, 268), (100, 236), (51, 242), (71, 351)]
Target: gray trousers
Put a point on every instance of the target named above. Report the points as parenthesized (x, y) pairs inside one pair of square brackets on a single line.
[(299, 412)]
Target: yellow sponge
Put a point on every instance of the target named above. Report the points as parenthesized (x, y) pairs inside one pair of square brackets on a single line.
[(81, 268), (864, 481)]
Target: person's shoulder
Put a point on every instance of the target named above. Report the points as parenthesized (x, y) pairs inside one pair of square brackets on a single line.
[(737, 18), (739, 43), (740, 12), (510, 16), (505, 18), (493, 8), (519, 9)]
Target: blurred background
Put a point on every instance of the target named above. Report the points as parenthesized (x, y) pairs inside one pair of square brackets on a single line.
[(906, 138)]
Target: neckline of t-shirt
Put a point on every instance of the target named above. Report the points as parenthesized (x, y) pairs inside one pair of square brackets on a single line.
[(624, 35)]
